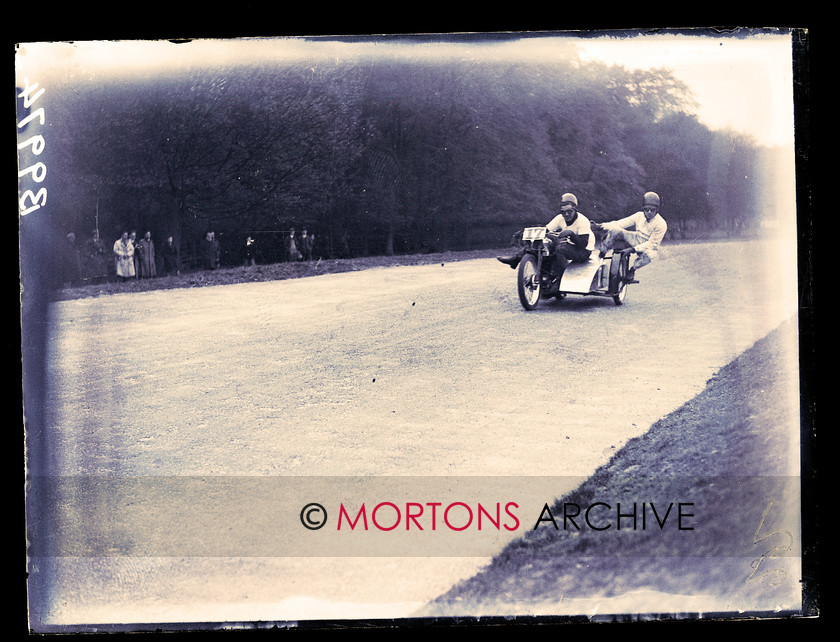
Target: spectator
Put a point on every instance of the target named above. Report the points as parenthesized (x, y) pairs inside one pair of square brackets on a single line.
[(292, 252), (124, 251), (71, 267), (145, 252), (132, 236), (171, 257), (249, 253), (96, 257), (210, 251), (305, 245)]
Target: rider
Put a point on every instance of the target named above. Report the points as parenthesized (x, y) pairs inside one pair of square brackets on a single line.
[(572, 233), (649, 229)]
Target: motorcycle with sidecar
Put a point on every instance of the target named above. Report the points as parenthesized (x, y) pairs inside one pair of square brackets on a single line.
[(604, 275)]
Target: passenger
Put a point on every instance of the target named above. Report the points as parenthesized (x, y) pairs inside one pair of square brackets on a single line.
[(648, 230)]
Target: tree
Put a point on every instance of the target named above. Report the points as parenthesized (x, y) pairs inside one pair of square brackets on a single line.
[(734, 181), (402, 153)]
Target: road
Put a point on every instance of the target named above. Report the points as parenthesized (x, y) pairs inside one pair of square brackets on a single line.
[(430, 371)]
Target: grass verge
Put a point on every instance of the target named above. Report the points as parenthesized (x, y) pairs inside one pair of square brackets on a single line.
[(727, 456)]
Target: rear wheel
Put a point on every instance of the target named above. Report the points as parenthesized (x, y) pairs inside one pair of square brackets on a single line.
[(528, 282)]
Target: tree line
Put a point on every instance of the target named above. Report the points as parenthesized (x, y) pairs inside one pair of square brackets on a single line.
[(390, 155)]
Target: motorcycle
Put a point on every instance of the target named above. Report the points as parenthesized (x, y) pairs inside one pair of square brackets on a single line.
[(602, 276)]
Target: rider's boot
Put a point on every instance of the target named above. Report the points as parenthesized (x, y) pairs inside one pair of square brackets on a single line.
[(512, 261), (558, 267)]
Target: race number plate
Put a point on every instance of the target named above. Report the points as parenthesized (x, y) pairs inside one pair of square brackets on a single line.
[(533, 233)]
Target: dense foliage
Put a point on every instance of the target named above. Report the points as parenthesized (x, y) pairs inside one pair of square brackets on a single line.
[(388, 155)]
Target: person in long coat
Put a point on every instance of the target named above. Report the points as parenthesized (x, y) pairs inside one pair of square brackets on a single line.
[(96, 254), (124, 253), (210, 251), (146, 251), (132, 236), (171, 257), (71, 266), (292, 251), (305, 245)]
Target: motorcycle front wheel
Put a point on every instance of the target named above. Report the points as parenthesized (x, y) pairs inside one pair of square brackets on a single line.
[(528, 282)]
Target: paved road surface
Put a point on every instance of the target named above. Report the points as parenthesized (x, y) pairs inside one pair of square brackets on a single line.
[(429, 371)]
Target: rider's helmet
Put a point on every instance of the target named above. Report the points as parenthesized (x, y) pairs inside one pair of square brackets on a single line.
[(570, 199), (652, 199), (569, 215)]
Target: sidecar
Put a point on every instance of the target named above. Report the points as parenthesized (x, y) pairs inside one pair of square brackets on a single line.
[(603, 276)]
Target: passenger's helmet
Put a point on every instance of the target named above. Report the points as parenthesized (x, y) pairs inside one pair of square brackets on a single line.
[(652, 199), (569, 198)]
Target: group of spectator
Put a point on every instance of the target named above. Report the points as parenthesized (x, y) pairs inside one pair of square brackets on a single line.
[(295, 248), (131, 257), (299, 248), (137, 259)]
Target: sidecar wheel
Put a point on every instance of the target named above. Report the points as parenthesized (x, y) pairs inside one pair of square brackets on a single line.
[(622, 294), (618, 276), (528, 282)]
